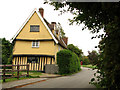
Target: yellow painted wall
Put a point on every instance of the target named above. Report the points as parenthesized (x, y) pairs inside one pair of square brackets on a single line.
[(26, 34), (56, 50), (25, 47), (39, 66)]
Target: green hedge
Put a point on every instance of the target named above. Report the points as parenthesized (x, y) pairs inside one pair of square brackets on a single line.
[(68, 62)]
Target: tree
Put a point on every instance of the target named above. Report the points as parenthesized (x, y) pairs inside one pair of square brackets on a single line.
[(97, 16), (75, 49), (85, 60), (6, 51), (62, 33), (93, 57), (0, 51)]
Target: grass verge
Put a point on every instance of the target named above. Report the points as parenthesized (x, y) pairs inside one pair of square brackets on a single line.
[(89, 66), (32, 74)]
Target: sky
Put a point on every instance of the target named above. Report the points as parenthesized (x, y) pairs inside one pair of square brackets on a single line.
[(13, 14)]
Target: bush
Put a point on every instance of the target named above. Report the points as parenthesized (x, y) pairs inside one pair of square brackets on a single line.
[(68, 62)]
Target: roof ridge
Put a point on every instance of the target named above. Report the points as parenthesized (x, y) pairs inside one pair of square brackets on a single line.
[(42, 19)]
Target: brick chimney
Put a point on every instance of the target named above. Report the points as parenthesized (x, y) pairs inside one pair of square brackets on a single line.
[(65, 39), (41, 10), (53, 23)]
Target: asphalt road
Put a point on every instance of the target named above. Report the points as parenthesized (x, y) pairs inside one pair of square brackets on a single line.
[(79, 80)]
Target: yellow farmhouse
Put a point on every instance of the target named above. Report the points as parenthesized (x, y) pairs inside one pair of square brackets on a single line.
[(37, 42)]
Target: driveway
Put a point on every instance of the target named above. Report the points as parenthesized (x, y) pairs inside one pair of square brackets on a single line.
[(79, 80)]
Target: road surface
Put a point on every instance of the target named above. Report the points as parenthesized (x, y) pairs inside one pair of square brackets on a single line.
[(79, 80)]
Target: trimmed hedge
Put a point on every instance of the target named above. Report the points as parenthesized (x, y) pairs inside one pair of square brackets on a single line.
[(68, 62)]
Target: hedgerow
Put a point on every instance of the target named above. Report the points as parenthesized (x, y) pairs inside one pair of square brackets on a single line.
[(68, 62)]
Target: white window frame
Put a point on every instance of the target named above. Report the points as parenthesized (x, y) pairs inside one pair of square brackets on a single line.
[(35, 42)]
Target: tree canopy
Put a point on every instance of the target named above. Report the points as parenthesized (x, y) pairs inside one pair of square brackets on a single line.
[(62, 33), (97, 16), (75, 49), (85, 60), (93, 57), (6, 51)]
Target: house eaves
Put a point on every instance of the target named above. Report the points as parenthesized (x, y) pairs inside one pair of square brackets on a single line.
[(35, 10)]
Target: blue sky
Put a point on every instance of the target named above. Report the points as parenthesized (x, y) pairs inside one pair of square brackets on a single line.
[(15, 12)]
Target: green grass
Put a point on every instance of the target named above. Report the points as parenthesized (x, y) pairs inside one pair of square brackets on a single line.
[(15, 79), (35, 73), (89, 66), (32, 74), (23, 72)]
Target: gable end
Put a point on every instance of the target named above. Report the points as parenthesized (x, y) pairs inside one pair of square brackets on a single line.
[(35, 10)]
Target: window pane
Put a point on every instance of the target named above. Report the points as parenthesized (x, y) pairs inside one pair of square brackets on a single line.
[(33, 43), (29, 60), (32, 59), (37, 44), (34, 28)]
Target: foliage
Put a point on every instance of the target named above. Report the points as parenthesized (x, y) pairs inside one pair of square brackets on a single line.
[(21, 78), (6, 51), (85, 60), (89, 66), (0, 51), (97, 16), (75, 49), (32, 74), (68, 62), (62, 33), (14, 79), (93, 57)]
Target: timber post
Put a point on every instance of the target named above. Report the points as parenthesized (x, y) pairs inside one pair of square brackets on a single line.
[(3, 73), (28, 70), (18, 71)]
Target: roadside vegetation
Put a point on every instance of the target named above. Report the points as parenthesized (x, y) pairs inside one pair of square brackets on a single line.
[(5, 51), (32, 74), (68, 62), (89, 66), (97, 17)]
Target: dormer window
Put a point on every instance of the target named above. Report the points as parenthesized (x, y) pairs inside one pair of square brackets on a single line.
[(34, 28), (35, 44)]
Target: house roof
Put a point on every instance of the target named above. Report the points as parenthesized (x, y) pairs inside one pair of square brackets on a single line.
[(35, 10), (46, 23), (60, 41)]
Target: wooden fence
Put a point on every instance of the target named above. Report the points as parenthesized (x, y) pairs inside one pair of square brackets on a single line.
[(5, 71)]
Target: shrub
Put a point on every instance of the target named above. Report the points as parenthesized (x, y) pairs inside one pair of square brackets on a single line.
[(68, 62)]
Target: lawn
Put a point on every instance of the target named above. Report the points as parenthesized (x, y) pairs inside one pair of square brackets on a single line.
[(32, 74), (89, 66)]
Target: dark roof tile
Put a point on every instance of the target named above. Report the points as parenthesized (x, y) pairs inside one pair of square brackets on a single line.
[(60, 41)]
